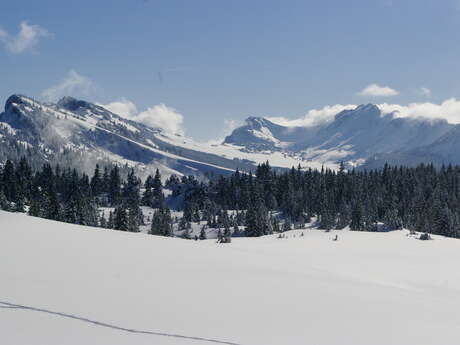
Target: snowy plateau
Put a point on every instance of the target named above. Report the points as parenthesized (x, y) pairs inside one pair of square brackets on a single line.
[(69, 284)]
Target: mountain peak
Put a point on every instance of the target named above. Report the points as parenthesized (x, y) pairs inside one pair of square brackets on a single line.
[(73, 104), (256, 122), (254, 119), (367, 107), (15, 99), (364, 110)]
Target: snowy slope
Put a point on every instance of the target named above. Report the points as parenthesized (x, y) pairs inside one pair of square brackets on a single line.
[(366, 288), (277, 157)]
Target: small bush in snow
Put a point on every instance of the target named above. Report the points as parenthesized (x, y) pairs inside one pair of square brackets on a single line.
[(425, 237)]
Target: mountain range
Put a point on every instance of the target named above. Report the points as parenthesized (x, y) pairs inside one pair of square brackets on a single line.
[(79, 133), (361, 137)]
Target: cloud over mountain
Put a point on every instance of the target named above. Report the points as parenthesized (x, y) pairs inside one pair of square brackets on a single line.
[(122, 107), (314, 116), (159, 115), (74, 84), (448, 110)]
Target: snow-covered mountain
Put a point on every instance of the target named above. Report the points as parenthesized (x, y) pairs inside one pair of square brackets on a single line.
[(353, 136), (442, 151), (260, 134), (77, 131)]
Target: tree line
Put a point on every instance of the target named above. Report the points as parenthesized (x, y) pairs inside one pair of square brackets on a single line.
[(423, 199)]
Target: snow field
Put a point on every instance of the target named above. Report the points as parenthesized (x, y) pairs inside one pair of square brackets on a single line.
[(365, 288)]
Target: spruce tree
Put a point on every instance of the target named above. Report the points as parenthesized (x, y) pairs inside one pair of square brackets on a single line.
[(120, 221), (203, 233), (4, 203), (287, 225)]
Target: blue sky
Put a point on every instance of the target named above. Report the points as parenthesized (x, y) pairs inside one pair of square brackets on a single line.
[(214, 61)]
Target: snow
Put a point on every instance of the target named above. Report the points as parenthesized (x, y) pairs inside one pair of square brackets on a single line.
[(264, 133), (365, 288), (147, 212), (229, 151), (124, 124), (8, 128)]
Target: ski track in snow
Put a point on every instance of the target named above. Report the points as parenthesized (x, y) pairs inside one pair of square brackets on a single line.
[(8, 305)]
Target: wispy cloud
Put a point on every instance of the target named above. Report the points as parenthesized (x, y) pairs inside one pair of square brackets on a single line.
[(26, 39), (424, 91), (229, 127), (375, 90), (74, 84), (157, 116), (314, 116)]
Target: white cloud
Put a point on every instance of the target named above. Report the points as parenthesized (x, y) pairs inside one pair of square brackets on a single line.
[(314, 116), (448, 110), (375, 90), (230, 126), (27, 38), (157, 116), (74, 84), (123, 107), (164, 117), (424, 91)]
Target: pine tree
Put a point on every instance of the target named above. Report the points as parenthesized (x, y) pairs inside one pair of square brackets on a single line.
[(236, 230), (357, 222), (20, 207), (70, 211), (147, 196), (114, 187), (157, 191), (132, 200), (52, 207), (392, 219), (9, 181), (220, 236), (162, 223), (4, 204), (97, 185), (35, 208), (276, 225), (251, 223), (344, 216), (110, 222), (120, 221), (102, 222), (287, 225), (203, 233)]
